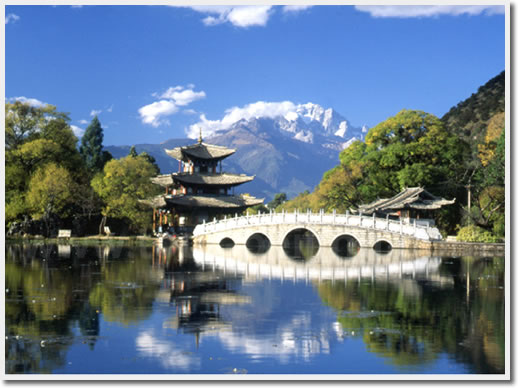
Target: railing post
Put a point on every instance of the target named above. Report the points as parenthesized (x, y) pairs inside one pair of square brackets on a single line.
[(361, 217), (283, 216), (374, 220), (415, 227), (321, 215), (347, 217), (334, 216), (387, 222), (400, 225)]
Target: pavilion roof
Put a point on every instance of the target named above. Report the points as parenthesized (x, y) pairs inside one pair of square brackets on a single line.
[(155, 202), (224, 179), (200, 151), (163, 180), (410, 198), (210, 201)]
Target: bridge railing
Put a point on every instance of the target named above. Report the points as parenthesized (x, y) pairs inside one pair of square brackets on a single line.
[(419, 231)]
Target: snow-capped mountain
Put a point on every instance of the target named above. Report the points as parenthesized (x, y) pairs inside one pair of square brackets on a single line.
[(309, 122), (287, 147)]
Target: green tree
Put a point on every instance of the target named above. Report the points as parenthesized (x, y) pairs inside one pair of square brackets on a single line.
[(50, 191), (35, 138), (278, 199), (91, 148), (121, 184), (23, 120)]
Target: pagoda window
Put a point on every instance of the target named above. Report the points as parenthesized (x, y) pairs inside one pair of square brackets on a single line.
[(196, 169), (189, 190), (222, 191)]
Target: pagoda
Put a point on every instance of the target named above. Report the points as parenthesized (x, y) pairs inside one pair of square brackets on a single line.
[(198, 192)]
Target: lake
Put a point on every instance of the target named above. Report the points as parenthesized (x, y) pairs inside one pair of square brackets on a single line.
[(76, 309)]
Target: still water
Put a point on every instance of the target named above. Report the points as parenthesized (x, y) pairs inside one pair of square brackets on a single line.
[(177, 310)]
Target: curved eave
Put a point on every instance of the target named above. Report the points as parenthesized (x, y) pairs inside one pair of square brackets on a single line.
[(164, 180), (156, 202), (219, 202), (200, 151), (212, 179)]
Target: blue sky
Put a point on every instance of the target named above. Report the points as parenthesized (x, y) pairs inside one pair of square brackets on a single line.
[(153, 72)]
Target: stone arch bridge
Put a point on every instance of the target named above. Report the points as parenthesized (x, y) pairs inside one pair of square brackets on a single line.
[(327, 229)]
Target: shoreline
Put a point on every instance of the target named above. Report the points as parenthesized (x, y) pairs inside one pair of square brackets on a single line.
[(451, 247)]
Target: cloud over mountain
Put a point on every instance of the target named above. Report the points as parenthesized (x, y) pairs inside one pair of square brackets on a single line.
[(302, 122)]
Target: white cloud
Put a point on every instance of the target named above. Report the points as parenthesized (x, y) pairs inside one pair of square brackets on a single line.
[(295, 8), (169, 103), (110, 109), (152, 114), (95, 112), (83, 122), (31, 101), (239, 16), (11, 18), (79, 132), (183, 97), (233, 115), (412, 11)]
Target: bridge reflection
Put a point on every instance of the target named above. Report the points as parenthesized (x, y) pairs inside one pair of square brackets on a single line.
[(326, 264)]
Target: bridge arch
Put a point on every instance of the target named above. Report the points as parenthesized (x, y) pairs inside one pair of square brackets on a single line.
[(346, 245), (382, 246), (301, 243), (226, 242), (297, 228), (258, 242)]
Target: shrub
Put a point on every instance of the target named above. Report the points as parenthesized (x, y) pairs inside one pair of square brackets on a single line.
[(473, 233)]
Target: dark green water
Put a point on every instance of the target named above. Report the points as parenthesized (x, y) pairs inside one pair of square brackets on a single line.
[(93, 309)]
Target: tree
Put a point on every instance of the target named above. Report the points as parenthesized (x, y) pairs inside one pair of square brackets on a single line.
[(35, 138), (92, 146), (23, 120), (49, 192), (121, 184), (278, 199)]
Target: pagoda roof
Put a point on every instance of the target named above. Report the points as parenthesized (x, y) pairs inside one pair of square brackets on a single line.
[(224, 179), (163, 180), (222, 202), (155, 202), (200, 151), (410, 198)]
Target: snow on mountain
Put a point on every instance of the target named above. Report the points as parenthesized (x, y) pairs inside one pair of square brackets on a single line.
[(308, 123)]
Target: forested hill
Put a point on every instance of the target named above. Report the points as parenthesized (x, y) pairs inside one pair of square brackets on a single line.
[(469, 118)]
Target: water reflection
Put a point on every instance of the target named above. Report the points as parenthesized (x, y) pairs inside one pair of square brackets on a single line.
[(300, 245), (176, 307)]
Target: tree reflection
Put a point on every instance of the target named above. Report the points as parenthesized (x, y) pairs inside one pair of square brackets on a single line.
[(412, 328), (127, 288), (44, 297)]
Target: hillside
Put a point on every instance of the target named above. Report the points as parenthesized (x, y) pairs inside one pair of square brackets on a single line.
[(470, 117)]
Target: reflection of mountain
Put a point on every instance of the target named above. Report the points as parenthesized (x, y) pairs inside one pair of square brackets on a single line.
[(402, 308)]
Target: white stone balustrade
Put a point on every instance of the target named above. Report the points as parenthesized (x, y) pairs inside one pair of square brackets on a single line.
[(413, 229)]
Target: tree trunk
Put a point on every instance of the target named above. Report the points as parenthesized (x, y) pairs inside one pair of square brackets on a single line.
[(101, 225)]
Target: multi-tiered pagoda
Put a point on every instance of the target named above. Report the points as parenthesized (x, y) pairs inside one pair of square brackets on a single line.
[(198, 192)]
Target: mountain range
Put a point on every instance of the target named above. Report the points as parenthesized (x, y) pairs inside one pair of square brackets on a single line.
[(288, 153)]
